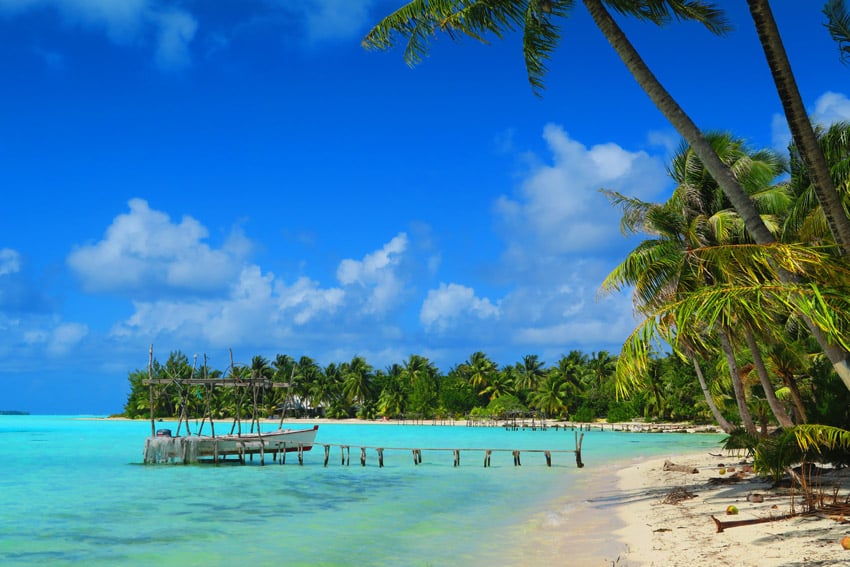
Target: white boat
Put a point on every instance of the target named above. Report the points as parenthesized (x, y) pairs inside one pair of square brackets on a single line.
[(194, 448)]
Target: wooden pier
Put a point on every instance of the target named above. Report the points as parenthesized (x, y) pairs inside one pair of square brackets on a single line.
[(191, 450), (416, 453)]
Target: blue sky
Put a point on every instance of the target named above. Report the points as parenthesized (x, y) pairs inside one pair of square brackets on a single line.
[(242, 174)]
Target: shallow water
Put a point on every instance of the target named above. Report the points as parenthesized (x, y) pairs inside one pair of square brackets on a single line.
[(74, 491)]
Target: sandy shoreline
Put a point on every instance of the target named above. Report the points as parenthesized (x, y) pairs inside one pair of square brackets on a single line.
[(683, 534)]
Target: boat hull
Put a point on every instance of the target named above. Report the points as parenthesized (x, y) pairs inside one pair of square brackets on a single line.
[(193, 449)]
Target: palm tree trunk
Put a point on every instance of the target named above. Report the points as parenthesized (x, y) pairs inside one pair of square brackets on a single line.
[(681, 121), (737, 384), (797, 399), (769, 393), (724, 177), (798, 122), (709, 399)]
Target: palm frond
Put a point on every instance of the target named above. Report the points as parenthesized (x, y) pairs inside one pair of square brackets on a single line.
[(838, 24), (540, 38), (813, 437), (419, 20), (661, 12), (416, 21)]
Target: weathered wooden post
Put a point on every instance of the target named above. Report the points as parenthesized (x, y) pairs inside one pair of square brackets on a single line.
[(380, 451), (487, 454), (362, 456), (548, 458), (457, 457), (150, 390), (579, 439), (345, 449), (301, 453), (327, 453), (517, 462)]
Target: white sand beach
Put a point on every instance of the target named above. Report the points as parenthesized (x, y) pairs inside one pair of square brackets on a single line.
[(659, 533)]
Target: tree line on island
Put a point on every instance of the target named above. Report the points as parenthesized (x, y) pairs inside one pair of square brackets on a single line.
[(579, 387)]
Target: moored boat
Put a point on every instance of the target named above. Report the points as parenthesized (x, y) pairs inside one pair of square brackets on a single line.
[(163, 448)]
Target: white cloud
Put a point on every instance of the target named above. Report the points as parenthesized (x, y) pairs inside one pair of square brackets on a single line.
[(377, 272), (65, 337), (453, 305), (559, 208), (307, 299), (258, 308), (780, 134), (10, 261), (144, 251), (325, 20), (47, 335), (125, 22), (831, 107), (175, 33), (561, 239)]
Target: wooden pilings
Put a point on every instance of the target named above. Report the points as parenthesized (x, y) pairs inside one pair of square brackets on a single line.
[(579, 439), (416, 454)]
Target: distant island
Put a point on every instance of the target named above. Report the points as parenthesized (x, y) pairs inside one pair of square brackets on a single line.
[(13, 412)]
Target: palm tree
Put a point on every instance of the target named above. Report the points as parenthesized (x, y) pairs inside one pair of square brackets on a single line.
[(798, 121), (529, 372), (570, 372), (709, 398), (357, 380), (392, 399), (479, 370), (550, 397), (806, 221), (667, 269), (420, 376), (418, 20), (501, 383)]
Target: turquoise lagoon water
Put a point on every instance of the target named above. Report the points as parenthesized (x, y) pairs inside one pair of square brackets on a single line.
[(74, 491)]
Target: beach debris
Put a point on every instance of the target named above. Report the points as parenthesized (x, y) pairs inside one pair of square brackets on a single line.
[(721, 471), (731, 479), (755, 498), (845, 542), (670, 466), (731, 510), (721, 525), (677, 495)]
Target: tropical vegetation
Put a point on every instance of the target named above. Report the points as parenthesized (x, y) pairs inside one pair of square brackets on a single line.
[(577, 386)]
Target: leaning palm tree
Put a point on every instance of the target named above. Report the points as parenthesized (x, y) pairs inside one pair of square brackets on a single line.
[(806, 220), (666, 269), (420, 19), (798, 121)]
